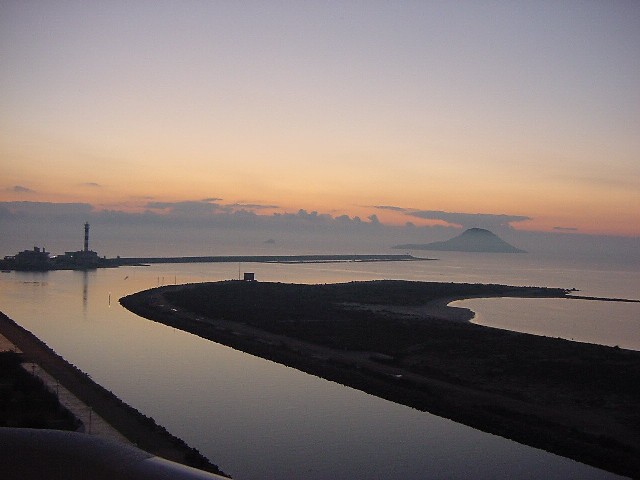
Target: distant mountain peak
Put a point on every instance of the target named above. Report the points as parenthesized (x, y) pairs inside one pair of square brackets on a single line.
[(478, 231), (471, 240)]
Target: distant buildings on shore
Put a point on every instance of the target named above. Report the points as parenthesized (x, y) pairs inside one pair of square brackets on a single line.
[(38, 259)]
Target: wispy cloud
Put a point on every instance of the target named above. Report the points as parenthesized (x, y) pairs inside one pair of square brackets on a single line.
[(189, 208), (392, 208), (466, 220), (565, 229), (91, 185), (20, 189), (142, 197), (48, 210), (470, 219), (252, 206)]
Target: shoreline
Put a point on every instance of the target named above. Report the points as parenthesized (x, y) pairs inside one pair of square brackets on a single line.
[(137, 428), (588, 434), (10, 264)]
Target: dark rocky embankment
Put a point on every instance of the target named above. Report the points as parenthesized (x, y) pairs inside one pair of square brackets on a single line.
[(25, 402)]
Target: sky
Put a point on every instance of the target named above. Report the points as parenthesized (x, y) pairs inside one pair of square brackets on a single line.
[(416, 116)]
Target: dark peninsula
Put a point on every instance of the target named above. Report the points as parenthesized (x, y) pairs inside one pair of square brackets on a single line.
[(399, 340)]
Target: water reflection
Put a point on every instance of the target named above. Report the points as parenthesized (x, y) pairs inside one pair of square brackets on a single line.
[(257, 419), (589, 321), (85, 292)]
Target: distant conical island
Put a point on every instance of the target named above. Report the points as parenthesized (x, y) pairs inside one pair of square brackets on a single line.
[(471, 240)]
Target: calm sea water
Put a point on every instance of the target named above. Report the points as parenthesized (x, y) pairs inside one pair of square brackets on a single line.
[(261, 420)]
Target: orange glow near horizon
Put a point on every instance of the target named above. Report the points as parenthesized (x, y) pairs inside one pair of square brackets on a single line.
[(352, 190)]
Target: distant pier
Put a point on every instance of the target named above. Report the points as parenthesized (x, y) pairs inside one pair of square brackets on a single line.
[(123, 261), (76, 261)]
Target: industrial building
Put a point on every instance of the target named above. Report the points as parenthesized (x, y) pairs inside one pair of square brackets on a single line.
[(39, 259)]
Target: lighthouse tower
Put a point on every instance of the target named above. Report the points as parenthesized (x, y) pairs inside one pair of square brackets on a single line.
[(86, 236), (81, 259)]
